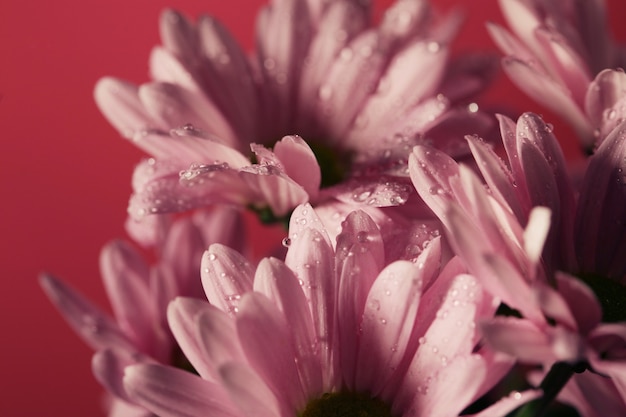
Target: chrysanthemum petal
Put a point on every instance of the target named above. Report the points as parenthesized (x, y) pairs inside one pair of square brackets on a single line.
[(182, 315), (249, 392), (274, 279), (387, 324), (125, 277), (88, 321), (273, 358), (299, 163), (171, 392), (226, 276)]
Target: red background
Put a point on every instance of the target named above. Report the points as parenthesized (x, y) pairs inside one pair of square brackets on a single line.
[(65, 173)]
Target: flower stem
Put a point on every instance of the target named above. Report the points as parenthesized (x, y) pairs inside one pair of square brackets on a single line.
[(551, 385)]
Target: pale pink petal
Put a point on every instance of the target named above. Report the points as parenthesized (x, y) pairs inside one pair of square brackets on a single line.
[(171, 392), (567, 64), (519, 338), (283, 35), (274, 188), (226, 275), (413, 75), (450, 388), (119, 102), (450, 335), (299, 163), (508, 43), (302, 218), (218, 340), (181, 253), (387, 324), (498, 176), (233, 89), (341, 21), (550, 94), (274, 279), (95, 327), (353, 77), (536, 232), (360, 257), (125, 279), (430, 172), (375, 191), (604, 92), (108, 368), (249, 392), (182, 315), (272, 357)]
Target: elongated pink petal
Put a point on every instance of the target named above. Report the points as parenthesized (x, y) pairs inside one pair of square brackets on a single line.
[(274, 187), (171, 392), (603, 93), (249, 392), (352, 78), (272, 358), (451, 388), (600, 225), (274, 279), (387, 324), (95, 327), (299, 163), (412, 76), (519, 338), (283, 37), (218, 339), (430, 172), (340, 22), (550, 94), (226, 276), (119, 102), (108, 368), (182, 315), (125, 278)]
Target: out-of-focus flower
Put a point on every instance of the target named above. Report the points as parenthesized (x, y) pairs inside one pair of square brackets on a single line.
[(327, 330), (555, 51), (499, 230), (359, 96), (139, 294)]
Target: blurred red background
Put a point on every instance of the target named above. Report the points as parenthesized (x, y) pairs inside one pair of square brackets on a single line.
[(65, 173)]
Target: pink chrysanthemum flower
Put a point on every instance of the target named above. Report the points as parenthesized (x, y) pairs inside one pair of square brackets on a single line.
[(500, 230), (327, 333), (555, 51), (139, 294), (359, 96)]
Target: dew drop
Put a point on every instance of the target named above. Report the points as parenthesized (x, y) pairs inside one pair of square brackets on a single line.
[(362, 236), (472, 107), (286, 242), (212, 257)]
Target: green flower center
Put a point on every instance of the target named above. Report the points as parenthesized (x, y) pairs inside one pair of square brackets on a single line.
[(333, 163), (346, 404)]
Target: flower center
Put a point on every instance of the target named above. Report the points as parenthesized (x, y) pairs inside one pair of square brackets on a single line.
[(346, 404), (333, 163)]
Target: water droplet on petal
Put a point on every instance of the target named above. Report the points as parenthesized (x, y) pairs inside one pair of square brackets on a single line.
[(212, 256), (286, 242)]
